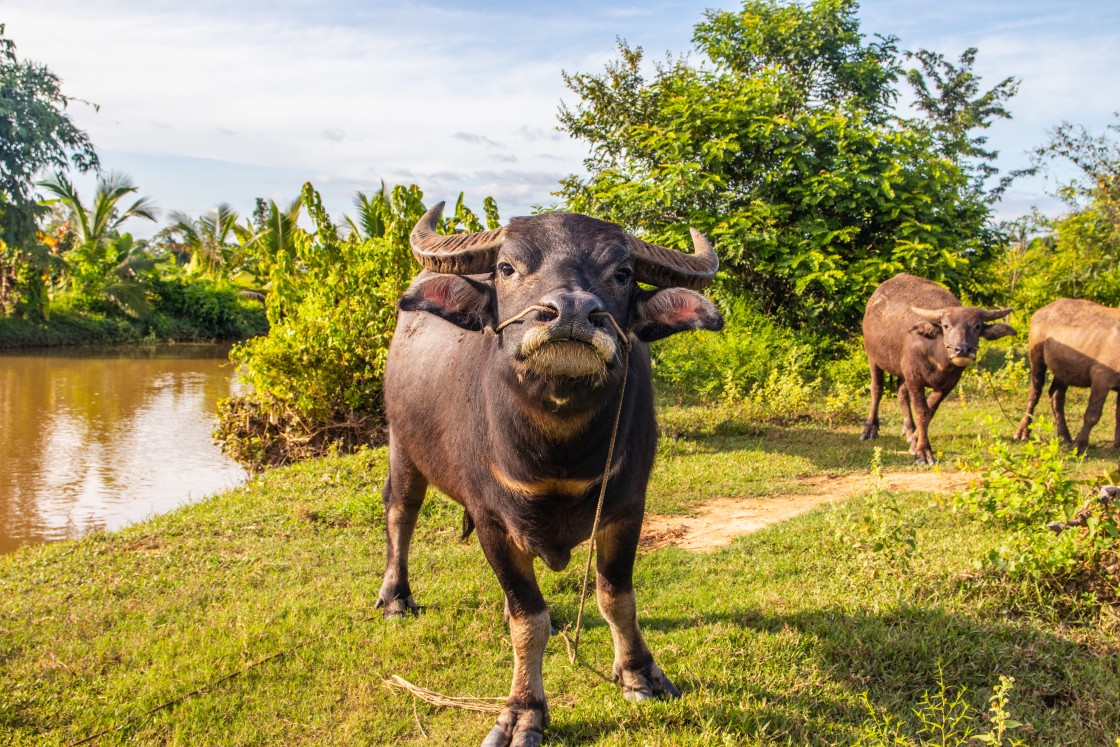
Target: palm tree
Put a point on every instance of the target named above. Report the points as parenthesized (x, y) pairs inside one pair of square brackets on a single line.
[(103, 262), (212, 238)]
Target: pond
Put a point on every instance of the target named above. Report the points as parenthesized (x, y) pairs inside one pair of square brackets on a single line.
[(96, 438)]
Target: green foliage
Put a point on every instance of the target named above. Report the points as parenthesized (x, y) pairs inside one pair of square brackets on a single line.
[(783, 150), (196, 308), (884, 534), (766, 371), (332, 304), (1054, 536), (97, 262), (35, 133), (946, 720), (1080, 249)]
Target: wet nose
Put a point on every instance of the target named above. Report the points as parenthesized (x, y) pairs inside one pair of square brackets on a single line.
[(965, 350), (570, 310)]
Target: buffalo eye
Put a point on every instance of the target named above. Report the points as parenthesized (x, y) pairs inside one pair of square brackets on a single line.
[(505, 269), (622, 276)]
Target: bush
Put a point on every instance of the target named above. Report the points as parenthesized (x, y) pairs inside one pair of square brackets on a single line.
[(317, 376), (200, 309), (768, 372), (1058, 535)]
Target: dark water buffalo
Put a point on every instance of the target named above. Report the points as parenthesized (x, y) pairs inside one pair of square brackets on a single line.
[(1079, 341), (918, 331), (514, 424)]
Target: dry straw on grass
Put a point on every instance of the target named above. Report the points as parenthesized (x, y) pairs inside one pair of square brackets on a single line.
[(482, 705)]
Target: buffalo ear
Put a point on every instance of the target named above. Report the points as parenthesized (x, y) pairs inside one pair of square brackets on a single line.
[(929, 330), (666, 311), (996, 331), (464, 302)]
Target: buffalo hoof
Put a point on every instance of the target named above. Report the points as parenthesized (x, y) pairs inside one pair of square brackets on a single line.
[(399, 608), (924, 456), (1023, 432), (518, 728), (1080, 447), (646, 684), (871, 431)]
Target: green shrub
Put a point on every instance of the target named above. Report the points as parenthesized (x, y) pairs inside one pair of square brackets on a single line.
[(1058, 535), (765, 371), (317, 376), (198, 308)]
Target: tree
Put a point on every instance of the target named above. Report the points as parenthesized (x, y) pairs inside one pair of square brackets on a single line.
[(784, 148), (1081, 248), (102, 262), (213, 239), (35, 133)]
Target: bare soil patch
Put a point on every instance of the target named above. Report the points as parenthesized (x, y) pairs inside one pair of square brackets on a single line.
[(721, 520)]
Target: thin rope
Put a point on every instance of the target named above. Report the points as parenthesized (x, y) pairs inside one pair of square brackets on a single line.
[(573, 651), (992, 386)]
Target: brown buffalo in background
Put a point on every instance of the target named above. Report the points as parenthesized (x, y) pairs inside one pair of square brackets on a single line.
[(918, 331), (1079, 341)]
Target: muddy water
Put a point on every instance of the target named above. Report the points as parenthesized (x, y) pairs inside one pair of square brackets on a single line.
[(95, 439)]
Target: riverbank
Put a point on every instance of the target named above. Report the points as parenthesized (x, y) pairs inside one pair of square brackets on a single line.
[(181, 312), (791, 633)]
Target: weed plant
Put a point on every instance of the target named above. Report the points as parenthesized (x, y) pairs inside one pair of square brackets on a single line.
[(1058, 537)]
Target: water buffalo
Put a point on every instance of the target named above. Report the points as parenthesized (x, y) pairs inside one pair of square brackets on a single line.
[(501, 389), (1079, 341), (917, 331)]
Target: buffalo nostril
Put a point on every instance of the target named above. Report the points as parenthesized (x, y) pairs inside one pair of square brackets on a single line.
[(547, 313)]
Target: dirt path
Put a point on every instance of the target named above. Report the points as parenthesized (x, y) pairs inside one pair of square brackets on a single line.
[(723, 519)]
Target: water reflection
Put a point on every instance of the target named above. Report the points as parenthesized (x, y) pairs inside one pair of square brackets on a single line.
[(95, 439)]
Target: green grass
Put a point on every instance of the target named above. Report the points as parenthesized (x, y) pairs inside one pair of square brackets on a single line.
[(773, 639)]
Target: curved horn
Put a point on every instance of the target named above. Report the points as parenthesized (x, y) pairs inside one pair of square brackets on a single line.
[(928, 314), (457, 254), (665, 268), (992, 315)]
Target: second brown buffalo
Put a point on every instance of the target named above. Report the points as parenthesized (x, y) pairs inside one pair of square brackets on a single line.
[(1079, 341), (918, 331)]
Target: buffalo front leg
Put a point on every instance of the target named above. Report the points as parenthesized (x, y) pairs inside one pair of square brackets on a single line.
[(907, 414), (1038, 378), (1058, 407), (634, 667), (525, 716), (871, 427), (919, 445), (402, 495)]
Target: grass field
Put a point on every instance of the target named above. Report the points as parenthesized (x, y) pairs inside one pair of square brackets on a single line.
[(792, 635)]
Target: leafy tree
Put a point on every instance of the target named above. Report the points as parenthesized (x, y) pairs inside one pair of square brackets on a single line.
[(784, 148), (955, 106), (35, 133), (1080, 249), (103, 263)]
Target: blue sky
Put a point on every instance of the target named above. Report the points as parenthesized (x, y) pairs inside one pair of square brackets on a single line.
[(214, 100)]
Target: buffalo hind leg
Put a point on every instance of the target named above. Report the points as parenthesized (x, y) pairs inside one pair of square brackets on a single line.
[(634, 667), (1098, 394), (1038, 378), (1058, 407), (402, 495), (871, 427), (525, 716), (1116, 430)]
